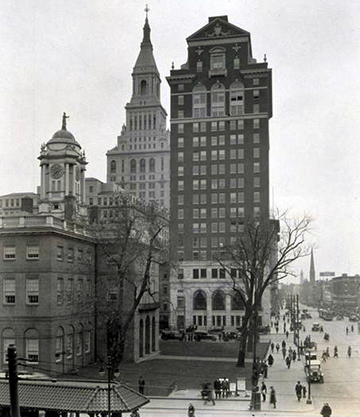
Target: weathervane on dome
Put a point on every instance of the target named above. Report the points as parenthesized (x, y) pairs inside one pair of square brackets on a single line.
[(64, 121), (147, 10)]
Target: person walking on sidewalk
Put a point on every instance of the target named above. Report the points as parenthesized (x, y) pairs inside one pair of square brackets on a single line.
[(263, 391), (298, 390), (288, 362), (336, 352), (270, 360), (191, 411), (273, 396), (283, 352), (141, 385), (304, 391), (326, 410), (277, 347), (349, 351), (272, 347)]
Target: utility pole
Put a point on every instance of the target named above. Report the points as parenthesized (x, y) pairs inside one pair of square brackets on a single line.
[(298, 327), (13, 382)]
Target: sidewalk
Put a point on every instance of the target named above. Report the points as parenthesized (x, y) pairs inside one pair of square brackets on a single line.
[(279, 376), (284, 380)]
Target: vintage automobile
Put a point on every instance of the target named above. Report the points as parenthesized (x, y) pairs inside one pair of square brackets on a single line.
[(198, 336), (170, 335), (313, 371), (316, 327)]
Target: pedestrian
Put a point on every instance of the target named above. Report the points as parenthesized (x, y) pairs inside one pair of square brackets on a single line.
[(135, 413), (272, 347), (283, 344), (217, 388), (273, 396), (277, 329), (323, 356), (326, 410), (209, 397), (277, 347), (347, 330), (287, 334), (270, 360), (304, 391), (141, 385), (352, 328), (349, 351), (294, 355), (284, 352), (298, 390), (288, 362), (191, 411), (266, 370), (263, 391), (290, 352), (336, 352)]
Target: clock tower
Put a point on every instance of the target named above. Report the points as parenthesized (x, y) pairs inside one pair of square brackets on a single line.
[(63, 166)]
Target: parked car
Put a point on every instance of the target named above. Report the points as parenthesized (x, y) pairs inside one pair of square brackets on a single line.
[(314, 372), (170, 335), (198, 336)]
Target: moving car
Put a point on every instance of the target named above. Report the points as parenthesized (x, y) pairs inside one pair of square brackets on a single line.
[(316, 327), (314, 372), (198, 336)]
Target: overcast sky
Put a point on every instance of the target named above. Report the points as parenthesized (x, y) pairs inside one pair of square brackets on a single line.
[(77, 56)]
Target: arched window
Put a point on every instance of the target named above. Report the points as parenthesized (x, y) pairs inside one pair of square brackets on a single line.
[(59, 348), (236, 99), (141, 338), (152, 165), (199, 100), (32, 345), (147, 335), (113, 167), (133, 166), (217, 100), (143, 88), (199, 300), (142, 165), (70, 343), (153, 333), (218, 300), (236, 302), (8, 338), (79, 340)]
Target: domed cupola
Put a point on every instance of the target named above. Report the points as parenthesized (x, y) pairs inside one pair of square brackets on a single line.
[(63, 166), (63, 135)]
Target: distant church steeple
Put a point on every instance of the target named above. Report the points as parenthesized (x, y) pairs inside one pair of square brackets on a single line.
[(312, 268)]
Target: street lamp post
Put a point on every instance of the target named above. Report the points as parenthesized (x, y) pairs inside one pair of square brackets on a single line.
[(109, 377), (308, 401)]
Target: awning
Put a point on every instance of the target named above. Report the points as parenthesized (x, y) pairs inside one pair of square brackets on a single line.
[(73, 396)]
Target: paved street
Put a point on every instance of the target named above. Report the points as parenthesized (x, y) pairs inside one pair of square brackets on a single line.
[(341, 387)]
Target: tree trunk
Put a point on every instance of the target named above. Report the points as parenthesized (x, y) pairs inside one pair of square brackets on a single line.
[(242, 351)]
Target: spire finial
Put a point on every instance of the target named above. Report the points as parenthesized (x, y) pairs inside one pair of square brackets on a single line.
[(64, 121), (147, 10)]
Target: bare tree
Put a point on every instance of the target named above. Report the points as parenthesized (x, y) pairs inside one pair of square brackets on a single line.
[(131, 239), (261, 257)]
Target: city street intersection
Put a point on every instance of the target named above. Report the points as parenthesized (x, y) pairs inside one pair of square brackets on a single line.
[(341, 388)]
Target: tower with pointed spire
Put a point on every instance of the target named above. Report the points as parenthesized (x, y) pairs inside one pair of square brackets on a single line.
[(140, 162), (312, 269)]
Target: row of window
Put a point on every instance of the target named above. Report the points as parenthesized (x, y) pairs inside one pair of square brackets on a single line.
[(32, 290), (221, 140), (202, 184), (220, 125), (81, 338), (218, 93), (142, 122), (219, 155), (217, 320), (9, 252), (181, 87), (10, 202)]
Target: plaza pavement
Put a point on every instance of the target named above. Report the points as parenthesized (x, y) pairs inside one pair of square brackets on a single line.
[(279, 376)]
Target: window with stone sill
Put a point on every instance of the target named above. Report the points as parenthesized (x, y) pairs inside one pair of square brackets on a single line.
[(9, 253)]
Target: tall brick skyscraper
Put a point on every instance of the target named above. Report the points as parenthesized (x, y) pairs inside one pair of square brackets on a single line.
[(221, 103)]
